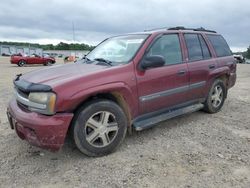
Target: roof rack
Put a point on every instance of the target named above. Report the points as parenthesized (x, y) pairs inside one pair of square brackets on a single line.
[(193, 29), (154, 29), (181, 28)]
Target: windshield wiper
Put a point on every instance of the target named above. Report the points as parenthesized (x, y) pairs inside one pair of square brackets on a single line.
[(104, 61), (87, 59)]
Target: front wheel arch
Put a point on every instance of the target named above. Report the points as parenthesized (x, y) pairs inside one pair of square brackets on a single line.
[(114, 96)]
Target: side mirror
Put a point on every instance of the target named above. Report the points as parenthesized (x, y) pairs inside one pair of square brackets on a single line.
[(152, 62)]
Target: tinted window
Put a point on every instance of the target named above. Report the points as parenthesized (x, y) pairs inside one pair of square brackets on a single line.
[(205, 52), (220, 45), (194, 47), (167, 46), (119, 50), (197, 47)]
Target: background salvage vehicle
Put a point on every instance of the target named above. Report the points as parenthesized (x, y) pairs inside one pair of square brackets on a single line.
[(240, 58), (21, 60), (128, 82)]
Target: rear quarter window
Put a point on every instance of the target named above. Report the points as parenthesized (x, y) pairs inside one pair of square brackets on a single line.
[(220, 45)]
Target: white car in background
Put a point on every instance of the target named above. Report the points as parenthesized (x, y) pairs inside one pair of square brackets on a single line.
[(240, 58)]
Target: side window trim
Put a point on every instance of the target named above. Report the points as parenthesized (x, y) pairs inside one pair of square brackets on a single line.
[(158, 37), (201, 46), (209, 45), (210, 54), (152, 43)]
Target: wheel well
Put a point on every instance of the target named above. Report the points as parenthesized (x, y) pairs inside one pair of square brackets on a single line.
[(225, 79), (115, 97)]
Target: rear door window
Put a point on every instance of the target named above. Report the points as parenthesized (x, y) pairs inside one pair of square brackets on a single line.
[(197, 47), (194, 47), (220, 45)]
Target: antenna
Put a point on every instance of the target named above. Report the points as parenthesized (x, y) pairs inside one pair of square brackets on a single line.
[(73, 29)]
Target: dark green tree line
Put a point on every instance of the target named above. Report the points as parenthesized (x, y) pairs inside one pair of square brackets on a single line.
[(60, 46)]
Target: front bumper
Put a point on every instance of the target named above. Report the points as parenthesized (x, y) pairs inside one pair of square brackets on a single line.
[(47, 132)]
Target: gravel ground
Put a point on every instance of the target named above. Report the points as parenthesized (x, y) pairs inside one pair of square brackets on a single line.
[(195, 150)]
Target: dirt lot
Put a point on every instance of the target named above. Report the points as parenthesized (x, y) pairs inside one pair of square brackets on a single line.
[(196, 150)]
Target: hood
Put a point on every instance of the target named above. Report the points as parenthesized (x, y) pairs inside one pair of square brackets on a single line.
[(59, 74)]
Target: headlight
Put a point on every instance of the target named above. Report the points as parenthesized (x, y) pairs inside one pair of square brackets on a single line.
[(45, 102)]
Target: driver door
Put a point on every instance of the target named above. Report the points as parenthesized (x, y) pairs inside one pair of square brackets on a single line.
[(34, 59), (166, 86)]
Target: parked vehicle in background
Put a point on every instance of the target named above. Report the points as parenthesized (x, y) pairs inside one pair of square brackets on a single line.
[(240, 58), (149, 77), (18, 54), (6, 54), (71, 58), (247, 61), (22, 60)]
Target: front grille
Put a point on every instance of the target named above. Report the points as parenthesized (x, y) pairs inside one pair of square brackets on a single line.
[(22, 93), (23, 106)]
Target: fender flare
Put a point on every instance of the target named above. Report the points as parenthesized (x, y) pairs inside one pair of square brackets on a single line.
[(77, 99)]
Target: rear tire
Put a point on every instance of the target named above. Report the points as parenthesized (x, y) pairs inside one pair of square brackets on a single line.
[(216, 97), (99, 127), (21, 63)]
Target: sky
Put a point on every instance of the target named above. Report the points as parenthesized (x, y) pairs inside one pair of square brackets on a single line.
[(51, 21)]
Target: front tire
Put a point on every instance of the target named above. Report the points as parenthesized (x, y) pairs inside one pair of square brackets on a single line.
[(216, 97), (99, 127), (48, 63)]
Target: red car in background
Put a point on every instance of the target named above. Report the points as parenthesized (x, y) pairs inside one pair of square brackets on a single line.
[(21, 60)]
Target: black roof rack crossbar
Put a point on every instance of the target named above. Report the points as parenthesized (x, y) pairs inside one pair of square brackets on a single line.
[(181, 28), (193, 29)]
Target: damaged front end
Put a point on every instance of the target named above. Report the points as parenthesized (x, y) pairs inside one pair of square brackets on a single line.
[(33, 116)]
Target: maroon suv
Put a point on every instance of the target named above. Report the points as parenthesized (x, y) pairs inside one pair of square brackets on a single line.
[(127, 82)]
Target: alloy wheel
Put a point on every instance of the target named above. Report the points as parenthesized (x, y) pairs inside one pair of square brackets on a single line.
[(101, 129), (217, 96)]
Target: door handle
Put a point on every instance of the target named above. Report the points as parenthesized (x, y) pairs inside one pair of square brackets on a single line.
[(212, 66), (181, 72)]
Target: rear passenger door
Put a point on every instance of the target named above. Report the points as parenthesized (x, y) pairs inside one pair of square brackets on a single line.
[(224, 56), (165, 86), (200, 63)]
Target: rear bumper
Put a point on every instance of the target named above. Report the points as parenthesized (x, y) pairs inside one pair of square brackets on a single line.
[(232, 80), (47, 132)]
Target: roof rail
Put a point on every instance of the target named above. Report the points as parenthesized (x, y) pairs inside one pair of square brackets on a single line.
[(193, 29), (160, 28), (180, 28)]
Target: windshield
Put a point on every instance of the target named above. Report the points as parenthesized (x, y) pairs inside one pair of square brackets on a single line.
[(117, 50)]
